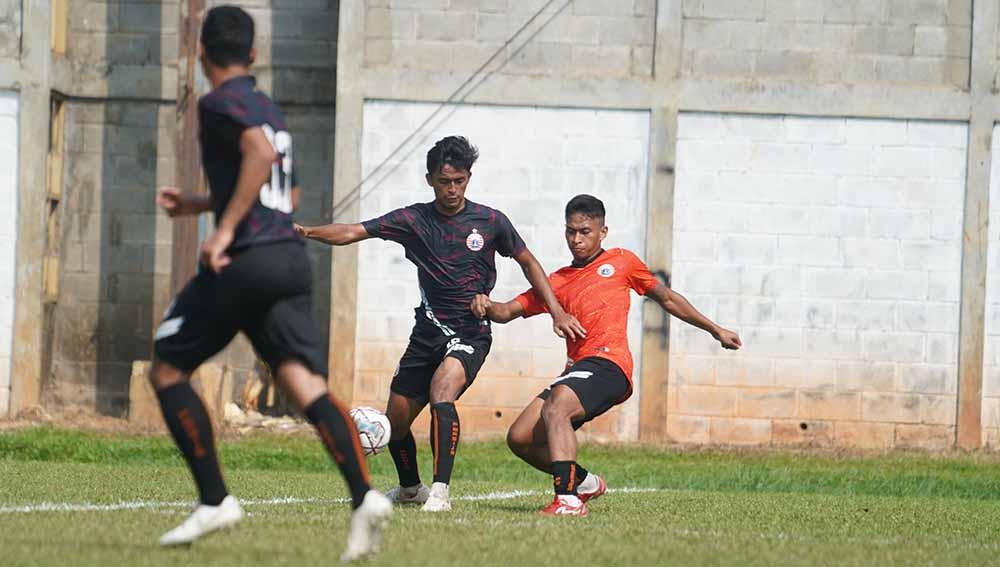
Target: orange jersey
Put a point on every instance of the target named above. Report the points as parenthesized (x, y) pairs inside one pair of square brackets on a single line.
[(598, 296)]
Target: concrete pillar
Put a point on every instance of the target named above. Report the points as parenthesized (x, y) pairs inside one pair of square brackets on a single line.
[(974, 254), (34, 124)]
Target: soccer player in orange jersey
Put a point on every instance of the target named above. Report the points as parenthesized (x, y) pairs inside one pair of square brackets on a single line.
[(598, 376)]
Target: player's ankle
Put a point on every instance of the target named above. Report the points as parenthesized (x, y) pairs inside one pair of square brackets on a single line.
[(588, 484)]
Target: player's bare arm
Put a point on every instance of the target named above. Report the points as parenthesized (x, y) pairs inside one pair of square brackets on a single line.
[(255, 170), (178, 203), (678, 306), (483, 307), (564, 324), (334, 234)]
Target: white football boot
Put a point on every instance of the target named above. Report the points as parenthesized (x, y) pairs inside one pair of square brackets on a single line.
[(438, 500), (367, 523), (409, 495), (591, 488), (204, 520)]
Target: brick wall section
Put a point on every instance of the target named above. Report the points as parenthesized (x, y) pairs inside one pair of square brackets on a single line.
[(115, 251), (991, 355), (852, 41), (296, 48), (590, 37), (547, 154), (833, 246), (8, 235), (132, 33), (10, 29)]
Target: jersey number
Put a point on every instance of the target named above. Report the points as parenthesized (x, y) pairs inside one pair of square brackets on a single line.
[(277, 193)]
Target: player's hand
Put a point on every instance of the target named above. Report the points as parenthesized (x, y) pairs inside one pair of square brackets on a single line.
[(729, 340), (480, 305), (567, 327), (171, 200), (302, 231), (213, 250)]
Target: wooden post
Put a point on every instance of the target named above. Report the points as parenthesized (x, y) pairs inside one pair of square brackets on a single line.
[(188, 160)]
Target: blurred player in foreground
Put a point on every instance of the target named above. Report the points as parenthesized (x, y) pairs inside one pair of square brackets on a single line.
[(594, 289), (254, 276), (454, 243)]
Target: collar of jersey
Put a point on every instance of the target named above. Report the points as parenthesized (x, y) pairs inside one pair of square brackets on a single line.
[(248, 81), (591, 262), (468, 205)]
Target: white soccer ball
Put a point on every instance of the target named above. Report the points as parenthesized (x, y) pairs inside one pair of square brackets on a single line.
[(373, 428)]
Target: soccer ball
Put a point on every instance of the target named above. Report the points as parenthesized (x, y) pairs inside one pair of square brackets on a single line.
[(373, 428)]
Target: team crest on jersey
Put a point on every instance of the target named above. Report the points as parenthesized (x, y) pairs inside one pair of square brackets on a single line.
[(606, 271), (475, 241)]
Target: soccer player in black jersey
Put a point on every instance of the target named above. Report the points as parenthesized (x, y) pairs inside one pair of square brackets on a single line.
[(453, 242), (254, 276)]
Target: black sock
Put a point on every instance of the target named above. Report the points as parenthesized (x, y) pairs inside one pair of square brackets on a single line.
[(404, 454), (444, 439), (191, 429), (340, 436), (581, 474), (565, 477)]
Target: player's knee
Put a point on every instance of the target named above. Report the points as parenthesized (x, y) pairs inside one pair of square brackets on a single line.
[(399, 426), (446, 390), (517, 441), (558, 406), (163, 376)]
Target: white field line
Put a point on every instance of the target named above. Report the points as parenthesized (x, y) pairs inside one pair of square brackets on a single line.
[(284, 501)]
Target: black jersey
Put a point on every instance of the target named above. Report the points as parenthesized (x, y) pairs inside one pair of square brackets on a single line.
[(455, 258), (223, 115)]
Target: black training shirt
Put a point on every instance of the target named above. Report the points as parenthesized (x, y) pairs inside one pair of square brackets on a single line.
[(223, 115), (455, 258)]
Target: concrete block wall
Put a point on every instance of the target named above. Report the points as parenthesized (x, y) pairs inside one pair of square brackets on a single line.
[(588, 37), (9, 122), (845, 42), (115, 251), (833, 247), (10, 29), (121, 49), (296, 45), (533, 160)]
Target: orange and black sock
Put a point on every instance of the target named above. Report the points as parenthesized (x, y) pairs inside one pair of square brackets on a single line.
[(565, 477), (191, 429), (404, 454), (340, 437), (444, 439)]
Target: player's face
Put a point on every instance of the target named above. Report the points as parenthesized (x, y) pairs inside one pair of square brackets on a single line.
[(449, 186), (584, 236)]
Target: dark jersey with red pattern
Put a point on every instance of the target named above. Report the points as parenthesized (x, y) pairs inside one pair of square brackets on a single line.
[(455, 258), (223, 115)]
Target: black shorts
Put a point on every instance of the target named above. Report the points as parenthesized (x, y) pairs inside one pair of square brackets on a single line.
[(266, 292), (427, 351), (599, 384)]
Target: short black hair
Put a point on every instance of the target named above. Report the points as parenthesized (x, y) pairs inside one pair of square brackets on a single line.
[(227, 35), (586, 205), (455, 151)]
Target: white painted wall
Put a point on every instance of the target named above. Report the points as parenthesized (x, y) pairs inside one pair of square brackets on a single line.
[(8, 236), (833, 246), (533, 160)]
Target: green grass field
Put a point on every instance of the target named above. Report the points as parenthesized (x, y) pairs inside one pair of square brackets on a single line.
[(684, 508)]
